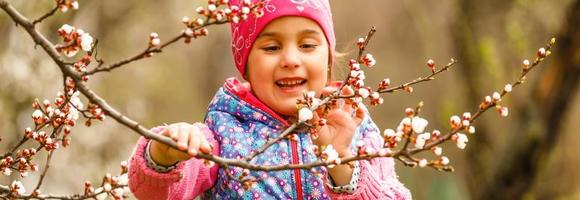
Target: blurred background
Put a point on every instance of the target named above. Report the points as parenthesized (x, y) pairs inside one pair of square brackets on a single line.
[(532, 154)]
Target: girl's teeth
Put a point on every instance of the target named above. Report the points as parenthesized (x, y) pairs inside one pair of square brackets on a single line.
[(294, 82)]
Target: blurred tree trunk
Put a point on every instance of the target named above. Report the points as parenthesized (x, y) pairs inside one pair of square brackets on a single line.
[(538, 129), (470, 15)]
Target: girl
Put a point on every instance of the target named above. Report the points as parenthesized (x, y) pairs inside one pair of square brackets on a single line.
[(281, 54)]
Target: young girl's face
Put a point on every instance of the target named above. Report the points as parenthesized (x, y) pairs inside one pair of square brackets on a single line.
[(289, 56)]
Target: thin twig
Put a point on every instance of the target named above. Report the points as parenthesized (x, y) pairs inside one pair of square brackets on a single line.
[(50, 13)]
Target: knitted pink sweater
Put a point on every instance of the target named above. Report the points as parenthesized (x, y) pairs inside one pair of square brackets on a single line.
[(190, 178)]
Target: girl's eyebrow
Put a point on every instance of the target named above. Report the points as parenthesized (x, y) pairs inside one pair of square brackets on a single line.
[(303, 32)]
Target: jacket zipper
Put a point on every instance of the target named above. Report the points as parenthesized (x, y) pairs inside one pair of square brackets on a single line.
[(296, 171)]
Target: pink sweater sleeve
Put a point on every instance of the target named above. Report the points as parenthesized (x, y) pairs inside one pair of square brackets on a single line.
[(189, 179), (377, 180)]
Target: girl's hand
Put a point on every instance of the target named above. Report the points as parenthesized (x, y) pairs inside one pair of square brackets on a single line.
[(189, 137), (342, 121)]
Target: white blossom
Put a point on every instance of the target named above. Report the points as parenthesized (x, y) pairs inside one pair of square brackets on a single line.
[(496, 96), (419, 124), (444, 160), (487, 99), (75, 5), (37, 114), (6, 171), (422, 163), (304, 114), (503, 111), (86, 42), (118, 191), (185, 19), (437, 150), (467, 115), (421, 139), (70, 53), (526, 63), (107, 187), (507, 88), (389, 133), (384, 151), (465, 123), (363, 92), (155, 41), (375, 95), (542, 52), (245, 10), (188, 32), (461, 140), (331, 155), (19, 188), (235, 19), (355, 67), (211, 7), (199, 21), (123, 179), (68, 29), (102, 195), (471, 129), (455, 120)]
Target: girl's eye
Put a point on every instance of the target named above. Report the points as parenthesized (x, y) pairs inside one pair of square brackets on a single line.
[(308, 46), (271, 48)]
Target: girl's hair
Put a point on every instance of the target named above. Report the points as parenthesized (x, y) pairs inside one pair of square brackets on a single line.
[(338, 69)]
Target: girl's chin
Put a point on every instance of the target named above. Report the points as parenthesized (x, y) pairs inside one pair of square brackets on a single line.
[(288, 110)]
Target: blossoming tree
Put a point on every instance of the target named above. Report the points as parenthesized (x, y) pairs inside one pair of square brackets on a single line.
[(75, 55)]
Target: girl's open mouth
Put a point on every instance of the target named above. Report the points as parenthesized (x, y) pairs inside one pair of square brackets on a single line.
[(291, 85)]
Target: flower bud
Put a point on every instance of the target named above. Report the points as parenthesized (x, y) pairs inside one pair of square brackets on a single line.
[(444, 160), (304, 114), (363, 92), (185, 20), (507, 88), (466, 115), (360, 43), (454, 121), (471, 129), (437, 150), (496, 97), (541, 52), (422, 163), (503, 111), (487, 100), (526, 64)]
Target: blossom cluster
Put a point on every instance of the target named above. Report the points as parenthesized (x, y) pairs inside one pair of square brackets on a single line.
[(74, 40), (214, 14), (115, 187), (65, 5), (17, 189), (22, 163), (330, 155), (61, 114)]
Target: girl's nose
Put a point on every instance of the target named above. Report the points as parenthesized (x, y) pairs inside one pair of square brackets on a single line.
[(291, 58)]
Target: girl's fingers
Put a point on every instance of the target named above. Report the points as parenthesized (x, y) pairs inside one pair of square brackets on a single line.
[(194, 142), (339, 104), (359, 116), (183, 137), (347, 91), (348, 107), (328, 90), (165, 131), (204, 146), (174, 132)]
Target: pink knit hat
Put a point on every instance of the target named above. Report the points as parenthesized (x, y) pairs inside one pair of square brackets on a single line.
[(244, 33)]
